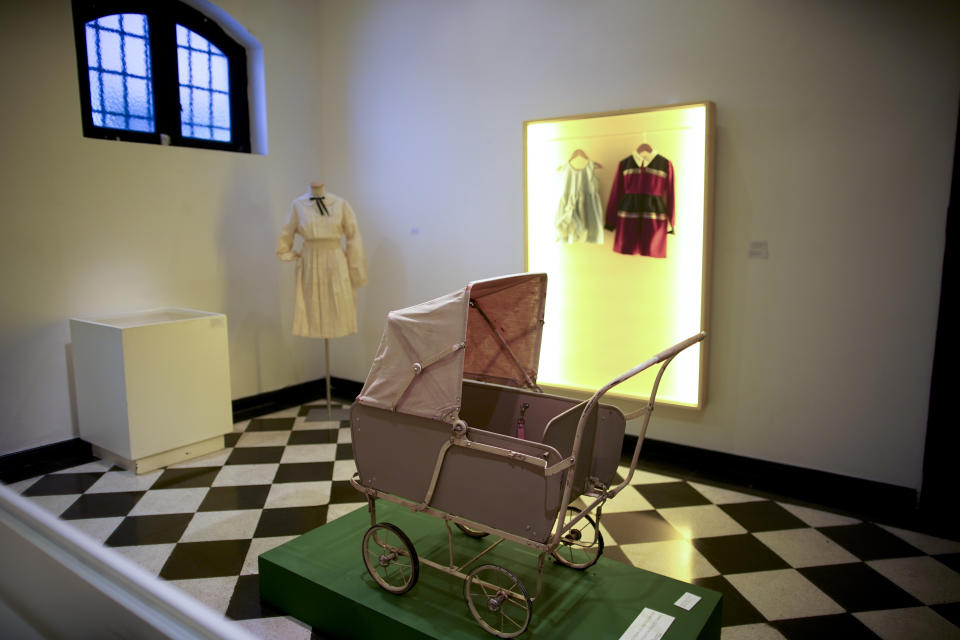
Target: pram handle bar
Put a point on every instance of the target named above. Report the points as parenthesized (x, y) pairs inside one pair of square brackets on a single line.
[(665, 356)]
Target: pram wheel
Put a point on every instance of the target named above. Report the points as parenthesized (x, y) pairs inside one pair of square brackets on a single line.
[(390, 558), (473, 533), (581, 546), (498, 601)]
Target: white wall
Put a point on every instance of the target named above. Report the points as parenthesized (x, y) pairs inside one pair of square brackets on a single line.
[(93, 226), (836, 128), (835, 134)]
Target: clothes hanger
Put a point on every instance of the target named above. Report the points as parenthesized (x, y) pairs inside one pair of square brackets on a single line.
[(580, 153), (644, 148)]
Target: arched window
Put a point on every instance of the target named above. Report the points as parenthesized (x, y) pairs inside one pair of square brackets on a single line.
[(160, 72)]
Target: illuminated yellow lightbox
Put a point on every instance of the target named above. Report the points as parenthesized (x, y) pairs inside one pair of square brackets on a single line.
[(607, 311)]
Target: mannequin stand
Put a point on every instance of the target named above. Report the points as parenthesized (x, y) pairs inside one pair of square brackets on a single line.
[(326, 353), (317, 413)]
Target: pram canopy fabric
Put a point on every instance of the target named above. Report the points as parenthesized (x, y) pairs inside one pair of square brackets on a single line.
[(490, 330)]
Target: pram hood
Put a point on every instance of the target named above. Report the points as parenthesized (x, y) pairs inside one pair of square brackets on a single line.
[(490, 330)]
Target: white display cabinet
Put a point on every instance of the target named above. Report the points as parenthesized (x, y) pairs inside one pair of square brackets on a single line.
[(153, 387)]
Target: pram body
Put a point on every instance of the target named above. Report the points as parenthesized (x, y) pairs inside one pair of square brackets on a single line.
[(435, 428)]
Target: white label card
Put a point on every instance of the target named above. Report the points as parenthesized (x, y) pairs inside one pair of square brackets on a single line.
[(649, 625), (687, 600)]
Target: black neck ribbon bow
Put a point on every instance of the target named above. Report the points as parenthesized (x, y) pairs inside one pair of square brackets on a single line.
[(321, 205)]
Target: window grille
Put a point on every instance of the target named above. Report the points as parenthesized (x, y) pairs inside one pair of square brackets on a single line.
[(161, 73), (118, 61), (204, 74)]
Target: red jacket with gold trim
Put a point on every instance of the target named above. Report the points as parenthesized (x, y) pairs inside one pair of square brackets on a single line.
[(641, 207)]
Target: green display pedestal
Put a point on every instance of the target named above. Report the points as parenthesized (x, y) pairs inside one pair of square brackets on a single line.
[(320, 579)]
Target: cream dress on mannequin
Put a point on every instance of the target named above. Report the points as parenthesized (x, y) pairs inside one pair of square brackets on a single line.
[(327, 273)]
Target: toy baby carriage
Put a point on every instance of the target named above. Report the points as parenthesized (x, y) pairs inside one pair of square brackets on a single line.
[(451, 423)]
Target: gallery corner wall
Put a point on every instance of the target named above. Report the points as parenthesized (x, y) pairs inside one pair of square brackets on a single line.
[(835, 130), (95, 226), (835, 135)]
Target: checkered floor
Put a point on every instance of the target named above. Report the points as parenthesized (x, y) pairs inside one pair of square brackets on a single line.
[(785, 571)]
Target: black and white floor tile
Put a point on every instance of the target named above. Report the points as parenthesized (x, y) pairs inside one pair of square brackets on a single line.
[(785, 571)]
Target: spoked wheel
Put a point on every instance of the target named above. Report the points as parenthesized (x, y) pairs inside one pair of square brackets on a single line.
[(581, 546), (473, 533), (498, 601), (390, 558)]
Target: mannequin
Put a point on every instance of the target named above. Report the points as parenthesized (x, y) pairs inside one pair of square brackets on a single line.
[(327, 268)]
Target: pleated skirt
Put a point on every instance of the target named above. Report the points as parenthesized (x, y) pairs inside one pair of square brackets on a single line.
[(325, 305)]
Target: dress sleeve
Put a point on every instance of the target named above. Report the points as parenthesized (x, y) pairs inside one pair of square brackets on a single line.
[(285, 243), (613, 204), (356, 258), (671, 210)]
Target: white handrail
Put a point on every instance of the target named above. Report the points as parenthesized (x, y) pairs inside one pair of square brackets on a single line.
[(107, 594)]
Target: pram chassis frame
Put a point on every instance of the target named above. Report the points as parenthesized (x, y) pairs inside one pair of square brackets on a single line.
[(460, 437), (451, 568)]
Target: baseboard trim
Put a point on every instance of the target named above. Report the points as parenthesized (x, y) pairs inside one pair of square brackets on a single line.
[(345, 389), (70, 453), (294, 396), (867, 499), (30, 463)]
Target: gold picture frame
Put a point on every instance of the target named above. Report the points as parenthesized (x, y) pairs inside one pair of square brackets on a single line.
[(607, 311)]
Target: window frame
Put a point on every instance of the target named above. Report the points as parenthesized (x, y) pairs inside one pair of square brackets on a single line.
[(162, 19)]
